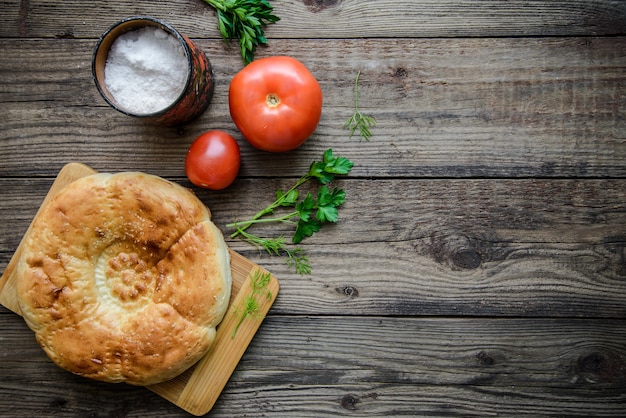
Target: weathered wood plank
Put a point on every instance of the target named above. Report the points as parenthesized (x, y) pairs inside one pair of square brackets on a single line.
[(466, 247), (332, 19), (312, 366), (447, 107), (377, 400), (478, 267), (449, 247)]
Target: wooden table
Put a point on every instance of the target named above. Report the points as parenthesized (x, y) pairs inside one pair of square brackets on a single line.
[(479, 264)]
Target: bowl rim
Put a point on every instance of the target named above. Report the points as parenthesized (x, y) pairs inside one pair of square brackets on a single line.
[(101, 51)]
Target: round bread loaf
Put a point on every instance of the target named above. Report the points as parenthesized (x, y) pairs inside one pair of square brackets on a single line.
[(123, 278)]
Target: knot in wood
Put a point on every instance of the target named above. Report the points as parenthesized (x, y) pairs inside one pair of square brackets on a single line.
[(466, 259), (485, 359), (456, 250), (350, 291), (59, 403), (593, 362), (317, 6), (349, 402), (601, 367), (401, 73)]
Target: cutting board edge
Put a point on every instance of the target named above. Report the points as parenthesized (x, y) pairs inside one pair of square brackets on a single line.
[(8, 298)]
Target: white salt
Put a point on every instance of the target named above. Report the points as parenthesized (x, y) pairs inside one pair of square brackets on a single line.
[(146, 70)]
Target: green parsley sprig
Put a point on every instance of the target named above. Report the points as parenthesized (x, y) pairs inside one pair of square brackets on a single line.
[(244, 20), (251, 305), (308, 214), (358, 120)]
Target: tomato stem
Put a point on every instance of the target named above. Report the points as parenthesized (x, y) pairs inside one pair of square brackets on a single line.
[(272, 100)]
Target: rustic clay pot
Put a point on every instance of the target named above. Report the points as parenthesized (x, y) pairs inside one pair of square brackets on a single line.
[(198, 91)]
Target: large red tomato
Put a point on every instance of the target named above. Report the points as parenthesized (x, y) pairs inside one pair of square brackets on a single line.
[(276, 103), (213, 160)]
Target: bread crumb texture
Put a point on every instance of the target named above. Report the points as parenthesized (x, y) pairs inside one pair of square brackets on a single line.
[(123, 278)]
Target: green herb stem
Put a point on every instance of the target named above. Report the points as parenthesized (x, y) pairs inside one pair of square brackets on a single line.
[(312, 211), (271, 245), (242, 226), (250, 306), (280, 201), (358, 120)]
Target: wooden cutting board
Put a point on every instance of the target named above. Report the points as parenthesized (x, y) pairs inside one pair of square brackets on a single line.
[(197, 389)]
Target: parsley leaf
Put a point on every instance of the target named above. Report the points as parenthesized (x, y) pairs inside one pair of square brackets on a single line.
[(306, 207), (287, 199), (308, 214), (305, 229), (336, 165), (328, 203), (244, 20), (326, 170)]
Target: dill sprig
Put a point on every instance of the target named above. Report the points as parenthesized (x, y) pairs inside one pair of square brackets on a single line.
[(251, 305), (296, 257), (358, 120)]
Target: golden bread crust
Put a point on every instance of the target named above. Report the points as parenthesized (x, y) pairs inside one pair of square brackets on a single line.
[(123, 278)]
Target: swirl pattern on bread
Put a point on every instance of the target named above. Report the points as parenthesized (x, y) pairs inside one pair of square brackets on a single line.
[(124, 278)]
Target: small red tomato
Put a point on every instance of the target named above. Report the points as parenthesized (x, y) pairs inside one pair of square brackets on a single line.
[(276, 103), (213, 160)]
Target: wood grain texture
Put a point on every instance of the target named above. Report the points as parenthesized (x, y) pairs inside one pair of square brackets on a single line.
[(459, 247), (196, 389), (479, 264), (469, 107), (333, 18), (317, 366)]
